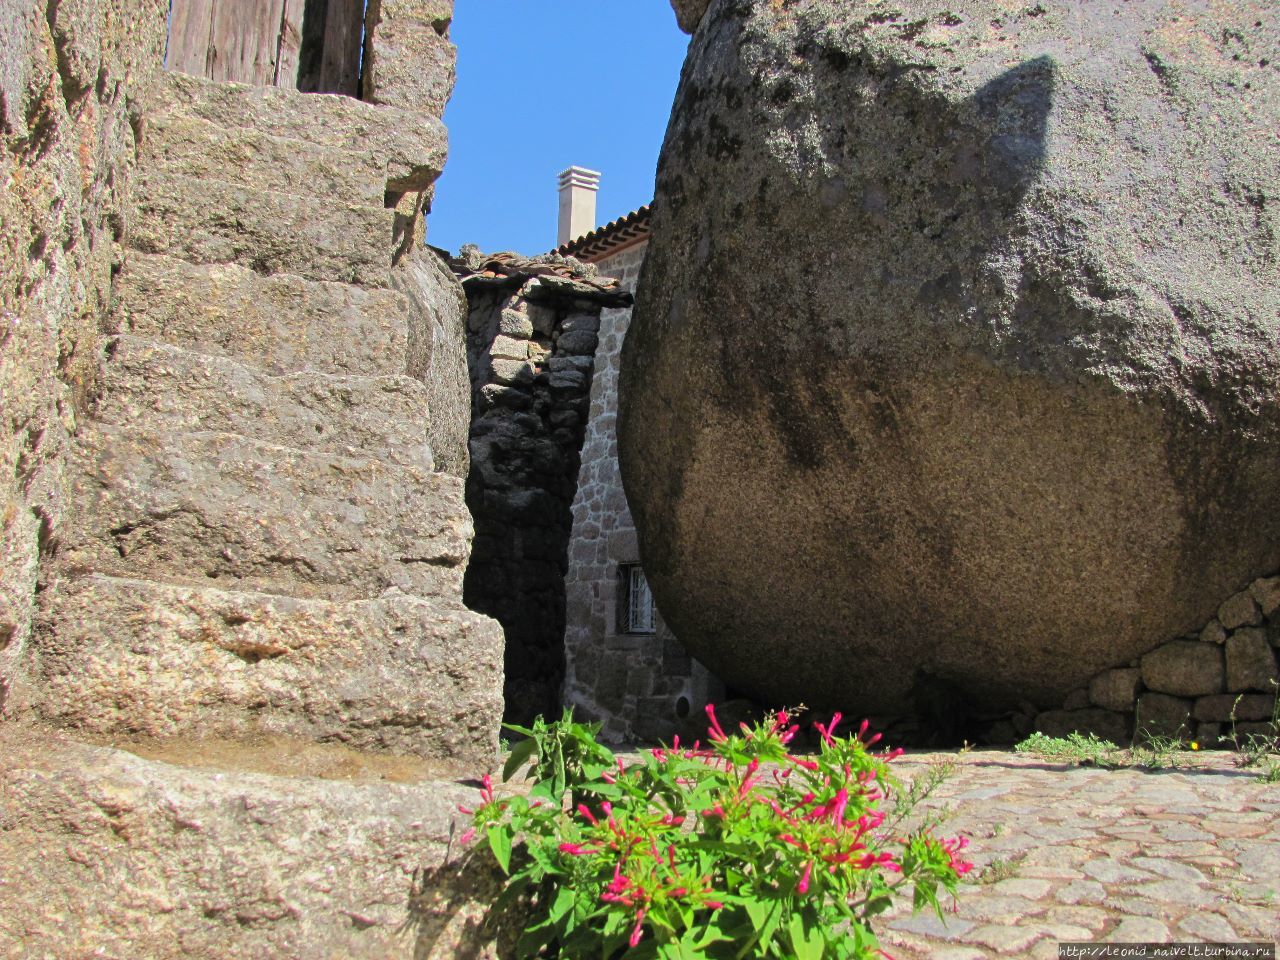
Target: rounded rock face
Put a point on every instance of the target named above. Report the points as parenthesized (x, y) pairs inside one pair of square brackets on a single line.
[(956, 353)]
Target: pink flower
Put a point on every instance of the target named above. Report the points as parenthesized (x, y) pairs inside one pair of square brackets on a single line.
[(953, 848), (468, 836), (576, 849), (714, 731), (637, 931), (877, 860), (803, 885)]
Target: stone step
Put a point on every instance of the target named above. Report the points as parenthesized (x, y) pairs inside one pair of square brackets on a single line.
[(109, 854), (410, 146), (152, 384), (205, 220), (402, 674), (282, 323), (195, 149), (204, 507)]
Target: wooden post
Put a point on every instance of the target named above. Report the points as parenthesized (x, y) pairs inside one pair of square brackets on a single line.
[(190, 33), (246, 41), (290, 44)]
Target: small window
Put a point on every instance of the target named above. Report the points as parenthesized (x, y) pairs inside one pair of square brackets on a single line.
[(635, 609)]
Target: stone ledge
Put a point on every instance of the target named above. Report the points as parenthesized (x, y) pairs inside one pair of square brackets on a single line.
[(404, 674), (107, 854)]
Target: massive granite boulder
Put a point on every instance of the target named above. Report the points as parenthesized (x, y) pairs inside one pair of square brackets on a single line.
[(955, 356)]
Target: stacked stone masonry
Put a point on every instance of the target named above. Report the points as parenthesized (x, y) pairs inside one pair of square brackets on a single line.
[(1220, 685), (640, 686), (532, 332), (271, 547), (235, 402)]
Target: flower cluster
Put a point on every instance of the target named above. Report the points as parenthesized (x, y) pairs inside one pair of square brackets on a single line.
[(741, 842)]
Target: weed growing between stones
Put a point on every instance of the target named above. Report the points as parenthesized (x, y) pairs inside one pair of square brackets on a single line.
[(737, 849), (1155, 752), (1260, 750), (1073, 748)]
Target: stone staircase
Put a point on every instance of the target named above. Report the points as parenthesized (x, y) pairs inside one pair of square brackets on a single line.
[(265, 540)]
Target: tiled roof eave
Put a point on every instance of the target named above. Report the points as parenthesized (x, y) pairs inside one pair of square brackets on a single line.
[(599, 243)]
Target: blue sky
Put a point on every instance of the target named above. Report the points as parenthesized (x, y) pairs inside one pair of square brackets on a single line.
[(542, 85)]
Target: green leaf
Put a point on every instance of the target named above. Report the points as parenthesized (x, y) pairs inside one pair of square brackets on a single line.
[(561, 904), (534, 939), (806, 940), (500, 844), (521, 754)]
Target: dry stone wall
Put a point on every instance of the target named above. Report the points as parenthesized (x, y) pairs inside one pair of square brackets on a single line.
[(1219, 684), (640, 686), (532, 334)]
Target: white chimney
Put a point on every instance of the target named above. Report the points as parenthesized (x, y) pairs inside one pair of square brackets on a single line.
[(578, 187)]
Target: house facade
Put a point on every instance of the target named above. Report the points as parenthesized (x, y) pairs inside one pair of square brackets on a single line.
[(623, 665)]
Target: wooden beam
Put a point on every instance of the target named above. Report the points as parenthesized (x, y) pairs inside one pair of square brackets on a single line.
[(246, 41), (190, 30), (290, 44)]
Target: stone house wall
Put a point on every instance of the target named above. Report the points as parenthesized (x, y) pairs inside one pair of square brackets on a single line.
[(532, 331), (641, 686)]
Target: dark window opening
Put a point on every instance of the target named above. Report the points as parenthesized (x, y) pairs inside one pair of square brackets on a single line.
[(635, 601)]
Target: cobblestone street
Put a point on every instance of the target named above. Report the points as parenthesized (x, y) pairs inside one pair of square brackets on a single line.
[(1130, 855)]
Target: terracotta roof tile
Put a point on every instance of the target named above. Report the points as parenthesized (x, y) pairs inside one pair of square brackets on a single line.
[(602, 241)]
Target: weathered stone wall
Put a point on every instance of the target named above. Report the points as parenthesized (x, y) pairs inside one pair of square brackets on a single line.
[(532, 333), (640, 686), (235, 404), (73, 76), (1219, 682)]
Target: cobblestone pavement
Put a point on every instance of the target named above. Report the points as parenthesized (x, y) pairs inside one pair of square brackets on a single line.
[(1064, 853)]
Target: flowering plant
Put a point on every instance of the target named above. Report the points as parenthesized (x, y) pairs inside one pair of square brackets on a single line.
[(737, 849)]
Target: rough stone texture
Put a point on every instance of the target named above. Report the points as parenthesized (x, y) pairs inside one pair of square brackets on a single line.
[(999, 386), (409, 61), (230, 173), (1116, 689), (1162, 715), (160, 386), (1103, 853), (409, 144), (640, 687), (530, 395), (1240, 610), (282, 324), (1266, 593), (208, 221), (437, 352), (1251, 664), (227, 507), (1228, 706), (1213, 632), (73, 77), (107, 854), (689, 13), (258, 530), (1102, 723), (403, 674), (1185, 668)]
